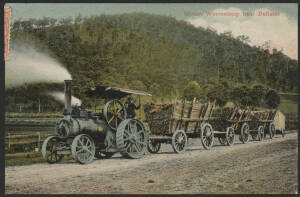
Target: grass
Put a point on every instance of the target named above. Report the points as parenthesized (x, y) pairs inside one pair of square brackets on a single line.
[(19, 159), (288, 103), (32, 115)]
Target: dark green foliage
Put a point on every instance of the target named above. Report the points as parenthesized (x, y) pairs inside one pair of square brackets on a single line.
[(216, 90), (157, 54), (257, 92), (272, 99), (191, 91)]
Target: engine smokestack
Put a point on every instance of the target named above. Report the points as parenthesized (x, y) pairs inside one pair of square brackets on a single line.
[(68, 95)]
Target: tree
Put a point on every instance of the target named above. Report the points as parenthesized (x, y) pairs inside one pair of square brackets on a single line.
[(272, 99), (191, 91), (257, 93)]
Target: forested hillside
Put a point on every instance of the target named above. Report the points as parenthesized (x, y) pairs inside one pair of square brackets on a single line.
[(169, 58)]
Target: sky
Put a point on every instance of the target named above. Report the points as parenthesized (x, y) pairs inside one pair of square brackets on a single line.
[(261, 22)]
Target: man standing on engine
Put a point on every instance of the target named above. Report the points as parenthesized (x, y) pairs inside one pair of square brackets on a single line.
[(131, 107)]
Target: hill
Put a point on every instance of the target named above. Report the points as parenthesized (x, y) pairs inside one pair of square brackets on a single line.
[(151, 52)]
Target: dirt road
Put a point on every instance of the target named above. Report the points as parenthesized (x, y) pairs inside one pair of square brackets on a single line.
[(256, 167)]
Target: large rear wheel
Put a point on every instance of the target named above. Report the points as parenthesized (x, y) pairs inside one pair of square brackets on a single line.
[(132, 138)]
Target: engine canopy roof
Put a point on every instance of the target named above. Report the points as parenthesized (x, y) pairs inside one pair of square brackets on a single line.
[(108, 92)]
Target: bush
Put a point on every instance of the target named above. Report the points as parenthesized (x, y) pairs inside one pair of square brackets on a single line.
[(272, 99), (191, 91)]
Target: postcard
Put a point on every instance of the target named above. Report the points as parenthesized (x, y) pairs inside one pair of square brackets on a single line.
[(159, 98)]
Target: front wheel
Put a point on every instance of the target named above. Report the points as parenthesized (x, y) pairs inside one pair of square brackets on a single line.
[(49, 150)]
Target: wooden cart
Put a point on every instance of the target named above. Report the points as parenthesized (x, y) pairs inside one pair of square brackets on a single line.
[(175, 123), (246, 123)]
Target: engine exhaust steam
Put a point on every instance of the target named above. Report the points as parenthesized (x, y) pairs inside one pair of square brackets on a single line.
[(26, 65), (60, 97)]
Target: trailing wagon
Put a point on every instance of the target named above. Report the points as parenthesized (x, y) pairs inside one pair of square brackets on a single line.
[(175, 123), (246, 123)]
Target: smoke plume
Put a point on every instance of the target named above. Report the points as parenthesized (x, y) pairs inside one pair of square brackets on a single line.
[(26, 65), (60, 97)]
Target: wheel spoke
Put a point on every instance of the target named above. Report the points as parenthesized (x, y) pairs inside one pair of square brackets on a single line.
[(132, 147), (79, 140), (126, 139), (88, 143), (110, 119), (137, 147), (133, 127), (114, 104), (126, 133), (89, 151), (79, 151)]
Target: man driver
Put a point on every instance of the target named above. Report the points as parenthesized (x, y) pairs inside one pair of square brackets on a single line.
[(131, 107)]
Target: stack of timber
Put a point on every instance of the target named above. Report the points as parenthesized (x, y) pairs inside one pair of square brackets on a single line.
[(165, 119), (222, 117), (263, 115)]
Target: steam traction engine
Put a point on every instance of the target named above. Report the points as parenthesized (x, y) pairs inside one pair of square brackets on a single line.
[(86, 135)]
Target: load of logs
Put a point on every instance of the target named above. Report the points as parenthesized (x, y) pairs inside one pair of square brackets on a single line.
[(163, 118), (174, 123), (166, 118)]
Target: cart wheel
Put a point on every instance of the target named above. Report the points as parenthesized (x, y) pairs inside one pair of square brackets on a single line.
[(132, 138), (272, 130), (49, 151), (207, 136), (261, 133), (222, 140), (83, 149), (179, 141), (230, 136), (244, 135), (153, 146)]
